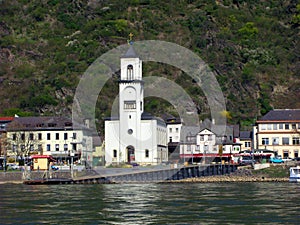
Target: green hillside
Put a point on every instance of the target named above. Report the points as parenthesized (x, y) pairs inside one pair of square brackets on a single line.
[(252, 46)]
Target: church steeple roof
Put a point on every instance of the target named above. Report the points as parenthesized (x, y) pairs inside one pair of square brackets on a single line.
[(130, 53)]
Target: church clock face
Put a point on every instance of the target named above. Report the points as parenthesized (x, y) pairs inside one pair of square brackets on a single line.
[(130, 131)]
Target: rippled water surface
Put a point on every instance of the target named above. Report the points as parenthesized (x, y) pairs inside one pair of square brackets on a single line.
[(194, 203)]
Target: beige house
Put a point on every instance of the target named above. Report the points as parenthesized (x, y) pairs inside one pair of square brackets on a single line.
[(245, 139), (50, 136), (279, 131)]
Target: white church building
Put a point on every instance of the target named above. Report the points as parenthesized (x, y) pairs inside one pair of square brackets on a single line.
[(134, 137)]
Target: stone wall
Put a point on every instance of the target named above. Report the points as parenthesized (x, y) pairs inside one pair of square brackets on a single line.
[(10, 177)]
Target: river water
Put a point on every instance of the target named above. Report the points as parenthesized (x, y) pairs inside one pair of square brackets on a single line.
[(177, 203)]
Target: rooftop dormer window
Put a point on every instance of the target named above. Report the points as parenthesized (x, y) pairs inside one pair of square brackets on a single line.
[(68, 124)]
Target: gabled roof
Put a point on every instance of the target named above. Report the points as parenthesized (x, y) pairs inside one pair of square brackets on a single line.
[(130, 53), (207, 130), (235, 130), (39, 123), (245, 135), (281, 115), (218, 130)]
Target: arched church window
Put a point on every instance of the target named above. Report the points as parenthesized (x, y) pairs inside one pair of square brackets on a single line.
[(147, 153), (129, 72)]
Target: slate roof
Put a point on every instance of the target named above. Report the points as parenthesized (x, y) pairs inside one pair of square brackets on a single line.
[(236, 130), (39, 123), (130, 53), (170, 119), (245, 135), (206, 124), (281, 115)]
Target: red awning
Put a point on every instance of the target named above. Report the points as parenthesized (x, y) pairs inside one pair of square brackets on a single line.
[(203, 155), (42, 157)]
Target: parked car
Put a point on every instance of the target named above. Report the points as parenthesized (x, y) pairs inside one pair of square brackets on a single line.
[(246, 161), (55, 168), (134, 164), (13, 166), (276, 160), (287, 159)]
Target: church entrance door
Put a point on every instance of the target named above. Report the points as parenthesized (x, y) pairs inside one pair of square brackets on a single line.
[(130, 154)]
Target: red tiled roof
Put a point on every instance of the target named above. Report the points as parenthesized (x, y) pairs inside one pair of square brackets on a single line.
[(7, 118)]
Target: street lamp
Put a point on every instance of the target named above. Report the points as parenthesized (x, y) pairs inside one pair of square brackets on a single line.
[(72, 155), (192, 155)]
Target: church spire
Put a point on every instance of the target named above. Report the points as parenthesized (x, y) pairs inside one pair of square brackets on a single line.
[(130, 41), (130, 52)]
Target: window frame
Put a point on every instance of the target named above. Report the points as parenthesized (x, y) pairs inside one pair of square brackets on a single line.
[(147, 153), (284, 142), (265, 141)]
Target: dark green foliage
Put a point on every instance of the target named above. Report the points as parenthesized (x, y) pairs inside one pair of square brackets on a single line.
[(252, 46), (38, 101), (15, 112)]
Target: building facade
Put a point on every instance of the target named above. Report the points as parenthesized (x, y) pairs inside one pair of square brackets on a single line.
[(134, 137), (4, 121), (279, 131), (245, 139), (52, 136), (174, 126), (203, 145)]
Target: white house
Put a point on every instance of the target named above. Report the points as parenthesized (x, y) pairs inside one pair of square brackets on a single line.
[(174, 126), (134, 136), (199, 143)]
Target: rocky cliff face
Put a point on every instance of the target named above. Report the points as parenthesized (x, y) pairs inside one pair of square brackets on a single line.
[(253, 48)]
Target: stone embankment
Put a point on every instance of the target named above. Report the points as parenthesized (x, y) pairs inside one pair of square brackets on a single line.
[(241, 175), (225, 178)]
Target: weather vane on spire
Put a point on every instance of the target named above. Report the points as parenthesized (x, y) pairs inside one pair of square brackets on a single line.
[(130, 41)]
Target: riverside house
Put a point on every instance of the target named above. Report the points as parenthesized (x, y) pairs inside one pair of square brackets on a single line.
[(201, 144), (51, 136), (279, 131)]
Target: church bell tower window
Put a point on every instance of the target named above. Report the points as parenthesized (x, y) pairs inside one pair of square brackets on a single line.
[(129, 72), (129, 105)]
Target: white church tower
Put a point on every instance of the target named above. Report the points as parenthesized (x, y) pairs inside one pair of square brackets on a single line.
[(134, 137), (131, 95)]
